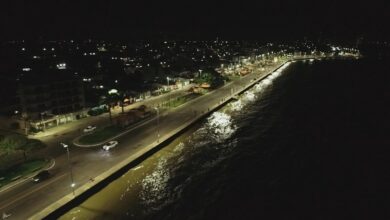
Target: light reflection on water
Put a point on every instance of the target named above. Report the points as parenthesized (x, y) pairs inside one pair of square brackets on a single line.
[(154, 185), (161, 179)]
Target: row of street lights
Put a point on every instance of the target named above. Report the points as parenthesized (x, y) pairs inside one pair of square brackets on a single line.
[(158, 140), (68, 153)]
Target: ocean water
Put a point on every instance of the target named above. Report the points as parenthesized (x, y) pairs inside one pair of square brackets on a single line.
[(309, 142)]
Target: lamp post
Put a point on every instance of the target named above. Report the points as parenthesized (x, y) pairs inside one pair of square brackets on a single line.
[(44, 127), (158, 124), (169, 94), (25, 118), (72, 184)]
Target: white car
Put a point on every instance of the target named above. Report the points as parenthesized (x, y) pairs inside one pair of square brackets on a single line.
[(89, 128), (110, 145)]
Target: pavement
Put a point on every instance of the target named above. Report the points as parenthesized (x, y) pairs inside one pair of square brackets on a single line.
[(189, 120), (96, 164), (132, 127), (50, 165), (104, 118)]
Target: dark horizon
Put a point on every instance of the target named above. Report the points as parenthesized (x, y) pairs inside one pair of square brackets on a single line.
[(242, 20)]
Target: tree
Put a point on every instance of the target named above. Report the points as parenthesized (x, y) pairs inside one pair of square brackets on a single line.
[(109, 100), (30, 146), (122, 97), (26, 120), (12, 143), (212, 77)]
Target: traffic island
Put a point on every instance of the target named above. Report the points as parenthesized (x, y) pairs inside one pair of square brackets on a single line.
[(57, 209), (100, 135), (111, 132)]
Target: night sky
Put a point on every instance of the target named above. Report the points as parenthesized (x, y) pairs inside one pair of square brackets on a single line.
[(61, 19)]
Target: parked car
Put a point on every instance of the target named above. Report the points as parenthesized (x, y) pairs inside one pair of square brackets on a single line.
[(44, 174), (110, 145), (89, 128)]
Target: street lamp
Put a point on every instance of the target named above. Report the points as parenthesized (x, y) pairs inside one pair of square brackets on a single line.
[(72, 184), (158, 124), (168, 80), (44, 126)]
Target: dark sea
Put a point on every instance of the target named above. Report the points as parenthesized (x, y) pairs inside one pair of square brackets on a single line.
[(312, 143)]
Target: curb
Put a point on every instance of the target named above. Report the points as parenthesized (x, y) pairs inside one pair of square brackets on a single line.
[(76, 143), (84, 188), (25, 178), (49, 210), (38, 135), (136, 125)]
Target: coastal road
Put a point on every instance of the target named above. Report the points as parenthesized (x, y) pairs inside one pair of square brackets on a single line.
[(28, 198)]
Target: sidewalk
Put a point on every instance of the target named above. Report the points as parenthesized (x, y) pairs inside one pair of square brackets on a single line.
[(93, 120), (147, 148), (174, 125)]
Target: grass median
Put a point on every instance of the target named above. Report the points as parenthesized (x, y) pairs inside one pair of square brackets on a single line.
[(101, 135), (19, 171)]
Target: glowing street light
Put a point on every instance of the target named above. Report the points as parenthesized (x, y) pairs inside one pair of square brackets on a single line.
[(72, 184), (113, 91)]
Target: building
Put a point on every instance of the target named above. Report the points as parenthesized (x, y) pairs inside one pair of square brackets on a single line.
[(50, 98)]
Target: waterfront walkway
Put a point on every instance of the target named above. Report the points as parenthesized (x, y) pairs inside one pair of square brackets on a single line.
[(93, 163), (172, 123)]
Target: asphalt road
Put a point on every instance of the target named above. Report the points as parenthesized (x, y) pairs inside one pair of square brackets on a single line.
[(25, 199)]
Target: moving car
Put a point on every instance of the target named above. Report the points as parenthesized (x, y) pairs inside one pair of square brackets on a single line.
[(110, 145), (44, 174), (89, 128)]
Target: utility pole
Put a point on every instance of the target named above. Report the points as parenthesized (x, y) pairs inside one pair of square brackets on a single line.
[(72, 184)]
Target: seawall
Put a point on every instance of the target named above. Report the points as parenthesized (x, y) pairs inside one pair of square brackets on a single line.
[(66, 203)]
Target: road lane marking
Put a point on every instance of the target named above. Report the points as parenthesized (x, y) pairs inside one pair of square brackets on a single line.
[(54, 163), (25, 194), (12, 185)]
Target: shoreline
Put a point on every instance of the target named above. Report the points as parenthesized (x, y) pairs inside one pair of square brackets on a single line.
[(67, 202)]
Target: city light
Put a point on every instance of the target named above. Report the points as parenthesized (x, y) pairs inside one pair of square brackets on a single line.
[(61, 66), (113, 91), (146, 74)]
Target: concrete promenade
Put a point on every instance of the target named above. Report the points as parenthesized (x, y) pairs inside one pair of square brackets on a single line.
[(142, 151)]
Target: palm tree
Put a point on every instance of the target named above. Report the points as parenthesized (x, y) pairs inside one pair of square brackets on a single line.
[(122, 94), (109, 100), (26, 120), (122, 97)]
